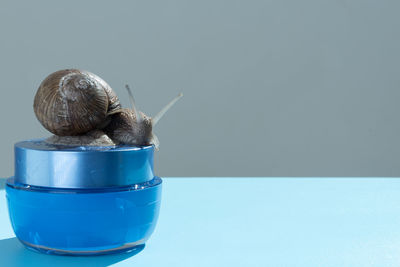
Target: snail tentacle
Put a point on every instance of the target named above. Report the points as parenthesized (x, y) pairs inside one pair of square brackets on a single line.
[(164, 110)]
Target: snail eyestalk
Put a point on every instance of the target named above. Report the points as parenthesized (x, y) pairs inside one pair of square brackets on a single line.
[(132, 100), (164, 110)]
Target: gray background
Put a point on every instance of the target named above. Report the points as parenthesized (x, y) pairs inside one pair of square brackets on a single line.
[(272, 88)]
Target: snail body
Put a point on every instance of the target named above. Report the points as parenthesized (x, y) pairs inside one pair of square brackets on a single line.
[(80, 108), (126, 128)]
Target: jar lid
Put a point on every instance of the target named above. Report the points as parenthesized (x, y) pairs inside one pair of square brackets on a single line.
[(41, 164)]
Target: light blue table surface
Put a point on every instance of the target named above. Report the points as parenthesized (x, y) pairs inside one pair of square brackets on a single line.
[(255, 222)]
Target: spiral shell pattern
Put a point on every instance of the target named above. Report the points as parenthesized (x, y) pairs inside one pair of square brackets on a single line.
[(74, 102)]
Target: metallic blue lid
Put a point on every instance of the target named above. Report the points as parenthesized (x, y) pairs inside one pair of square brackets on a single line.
[(41, 164)]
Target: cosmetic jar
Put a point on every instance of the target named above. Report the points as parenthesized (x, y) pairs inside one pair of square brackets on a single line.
[(83, 200)]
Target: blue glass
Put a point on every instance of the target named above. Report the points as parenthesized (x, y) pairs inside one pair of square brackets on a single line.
[(84, 221), (41, 164)]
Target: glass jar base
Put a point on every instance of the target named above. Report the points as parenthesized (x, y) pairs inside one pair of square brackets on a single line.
[(127, 248)]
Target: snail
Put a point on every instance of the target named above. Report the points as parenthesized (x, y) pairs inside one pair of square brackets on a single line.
[(80, 108)]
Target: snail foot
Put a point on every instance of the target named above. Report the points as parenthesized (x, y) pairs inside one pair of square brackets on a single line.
[(92, 138)]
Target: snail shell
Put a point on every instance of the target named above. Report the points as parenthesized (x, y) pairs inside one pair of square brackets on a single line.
[(73, 102)]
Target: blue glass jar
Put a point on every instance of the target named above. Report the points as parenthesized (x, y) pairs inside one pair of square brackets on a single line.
[(83, 200)]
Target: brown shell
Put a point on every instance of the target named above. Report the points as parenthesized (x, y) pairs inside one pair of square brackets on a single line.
[(73, 102), (124, 129)]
